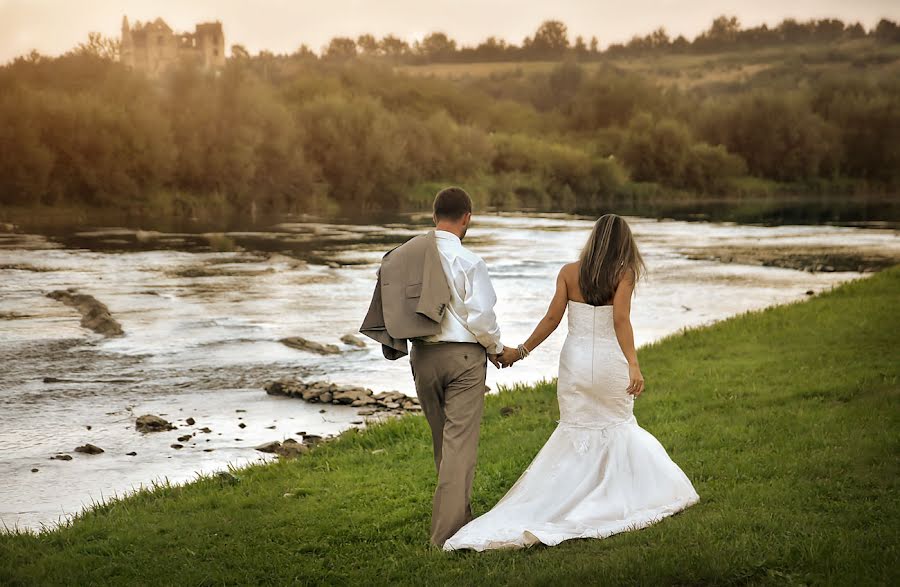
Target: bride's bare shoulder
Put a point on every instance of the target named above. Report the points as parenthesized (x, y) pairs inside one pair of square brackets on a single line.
[(569, 275)]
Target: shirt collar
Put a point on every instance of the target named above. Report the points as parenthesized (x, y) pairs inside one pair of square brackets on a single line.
[(446, 235)]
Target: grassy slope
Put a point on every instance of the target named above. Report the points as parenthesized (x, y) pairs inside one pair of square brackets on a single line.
[(786, 421), (696, 69)]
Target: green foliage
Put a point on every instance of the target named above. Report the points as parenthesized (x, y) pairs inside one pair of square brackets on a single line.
[(342, 133), (785, 420), (778, 135)]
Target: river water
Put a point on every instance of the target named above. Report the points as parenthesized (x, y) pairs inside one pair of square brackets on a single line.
[(202, 330)]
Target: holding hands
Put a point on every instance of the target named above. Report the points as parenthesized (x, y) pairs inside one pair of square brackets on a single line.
[(509, 356)]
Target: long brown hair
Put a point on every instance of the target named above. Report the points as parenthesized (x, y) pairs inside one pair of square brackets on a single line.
[(608, 255)]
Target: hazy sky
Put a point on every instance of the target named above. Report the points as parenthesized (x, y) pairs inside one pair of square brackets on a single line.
[(54, 26)]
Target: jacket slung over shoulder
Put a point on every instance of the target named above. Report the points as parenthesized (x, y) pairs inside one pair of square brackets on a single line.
[(410, 297)]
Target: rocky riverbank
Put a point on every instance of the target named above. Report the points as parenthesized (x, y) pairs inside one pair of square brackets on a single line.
[(380, 405), (811, 259)]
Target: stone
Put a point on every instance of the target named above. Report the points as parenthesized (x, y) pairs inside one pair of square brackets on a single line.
[(357, 422), (205, 430), (190, 421), (290, 448), (326, 397), (34, 470), (270, 427), (300, 343), (366, 412), (94, 314), (242, 425), (184, 438), (61, 457), (227, 477), (131, 454), (353, 341), (268, 446), (89, 449), (176, 445), (151, 423), (312, 439)]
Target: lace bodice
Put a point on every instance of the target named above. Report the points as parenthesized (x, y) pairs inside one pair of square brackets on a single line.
[(593, 371)]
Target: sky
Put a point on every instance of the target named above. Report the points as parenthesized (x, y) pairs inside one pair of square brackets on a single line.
[(54, 26)]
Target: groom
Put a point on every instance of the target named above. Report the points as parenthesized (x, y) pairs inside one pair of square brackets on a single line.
[(436, 293)]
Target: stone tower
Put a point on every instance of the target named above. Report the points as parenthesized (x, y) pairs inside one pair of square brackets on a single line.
[(153, 47)]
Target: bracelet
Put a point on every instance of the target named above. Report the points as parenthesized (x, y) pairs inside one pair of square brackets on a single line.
[(523, 352)]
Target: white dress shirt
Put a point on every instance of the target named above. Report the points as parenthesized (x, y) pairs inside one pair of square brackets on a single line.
[(470, 314)]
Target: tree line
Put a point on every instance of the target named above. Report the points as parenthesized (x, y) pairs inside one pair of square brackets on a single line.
[(286, 134), (551, 42)]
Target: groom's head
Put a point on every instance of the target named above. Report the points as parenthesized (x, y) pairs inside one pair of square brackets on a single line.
[(453, 210)]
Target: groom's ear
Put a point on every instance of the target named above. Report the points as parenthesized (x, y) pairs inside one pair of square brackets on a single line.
[(467, 218)]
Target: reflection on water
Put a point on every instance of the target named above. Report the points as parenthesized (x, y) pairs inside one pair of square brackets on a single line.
[(202, 330)]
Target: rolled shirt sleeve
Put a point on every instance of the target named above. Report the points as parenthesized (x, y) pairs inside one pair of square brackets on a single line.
[(479, 302)]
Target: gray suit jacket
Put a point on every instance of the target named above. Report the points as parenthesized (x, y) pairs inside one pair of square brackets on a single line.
[(410, 296)]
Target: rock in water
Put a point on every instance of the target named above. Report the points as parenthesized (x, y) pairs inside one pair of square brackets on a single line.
[(353, 341), (62, 457), (94, 314), (89, 449), (151, 423), (268, 446), (290, 448), (299, 343)]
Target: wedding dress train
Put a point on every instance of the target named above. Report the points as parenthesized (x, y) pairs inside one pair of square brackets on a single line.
[(599, 473)]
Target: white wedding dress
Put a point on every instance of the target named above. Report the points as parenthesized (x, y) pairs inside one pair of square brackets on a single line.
[(599, 473)]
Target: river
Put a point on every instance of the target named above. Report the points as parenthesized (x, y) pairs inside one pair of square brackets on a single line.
[(202, 330)]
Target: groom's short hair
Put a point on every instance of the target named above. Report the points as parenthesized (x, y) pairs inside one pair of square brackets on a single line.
[(451, 204)]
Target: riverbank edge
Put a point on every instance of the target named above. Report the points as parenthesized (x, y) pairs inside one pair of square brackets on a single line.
[(746, 205), (858, 312)]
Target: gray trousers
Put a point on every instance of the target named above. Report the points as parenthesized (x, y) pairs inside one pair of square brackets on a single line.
[(450, 383)]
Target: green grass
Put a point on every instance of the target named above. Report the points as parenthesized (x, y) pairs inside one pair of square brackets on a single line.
[(786, 420)]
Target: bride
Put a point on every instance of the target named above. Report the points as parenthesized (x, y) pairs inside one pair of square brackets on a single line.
[(599, 473)]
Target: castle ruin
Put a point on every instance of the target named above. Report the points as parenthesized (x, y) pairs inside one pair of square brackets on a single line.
[(154, 47)]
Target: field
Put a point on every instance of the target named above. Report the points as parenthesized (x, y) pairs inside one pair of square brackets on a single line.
[(688, 70)]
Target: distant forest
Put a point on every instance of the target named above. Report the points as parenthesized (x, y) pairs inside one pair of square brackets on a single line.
[(370, 125)]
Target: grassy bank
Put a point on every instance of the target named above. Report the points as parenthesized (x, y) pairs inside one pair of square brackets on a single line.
[(786, 421)]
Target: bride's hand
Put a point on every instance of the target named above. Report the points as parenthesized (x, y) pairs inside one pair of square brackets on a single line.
[(635, 380), (508, 356)]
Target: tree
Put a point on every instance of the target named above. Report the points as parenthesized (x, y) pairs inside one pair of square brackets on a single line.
[(99, 46), (436, 47), (393, 47), (340, 49), (550, 40), (368, 45), (239, 52)]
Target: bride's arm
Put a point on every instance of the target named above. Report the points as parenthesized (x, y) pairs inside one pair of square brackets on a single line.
[(625, 333), (554, 314)]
